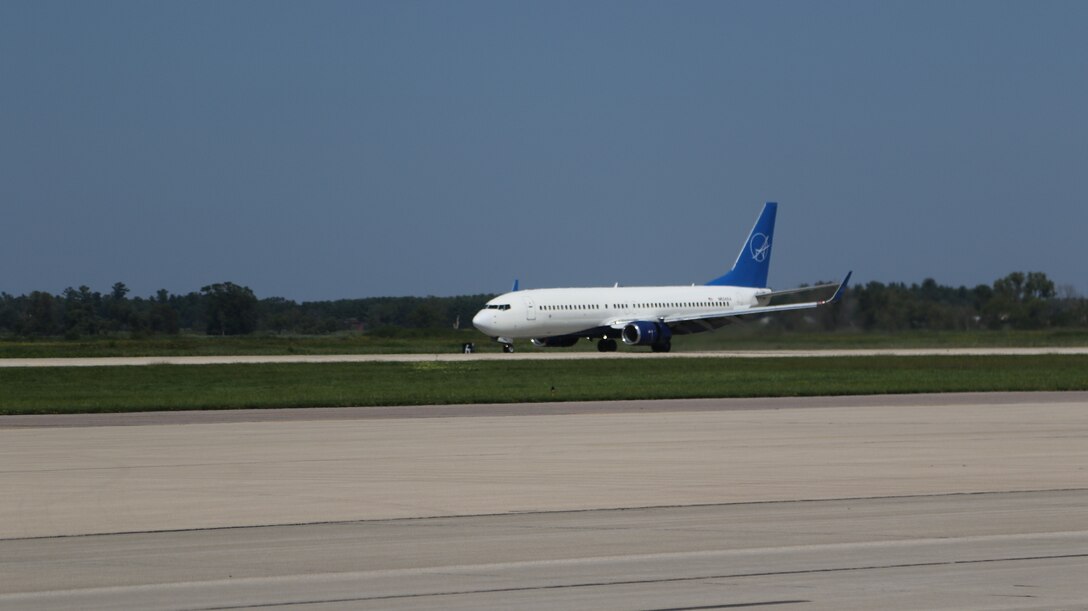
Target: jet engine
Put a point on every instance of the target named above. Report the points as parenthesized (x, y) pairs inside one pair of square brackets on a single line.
[(645, 333)]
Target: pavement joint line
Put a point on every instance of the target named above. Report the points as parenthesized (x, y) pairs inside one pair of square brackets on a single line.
[(549, 512), (596, 584)]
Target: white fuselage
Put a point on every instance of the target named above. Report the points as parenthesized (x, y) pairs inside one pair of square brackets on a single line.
[(542, 313)]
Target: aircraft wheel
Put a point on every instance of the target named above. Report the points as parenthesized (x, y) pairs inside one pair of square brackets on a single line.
[(661, 347), (508, 347), (606, 345)]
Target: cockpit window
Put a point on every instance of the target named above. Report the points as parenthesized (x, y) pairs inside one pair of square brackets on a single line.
[(495, 306)]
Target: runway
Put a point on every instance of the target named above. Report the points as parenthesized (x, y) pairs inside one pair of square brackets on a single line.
[(946, 552), (528, 355), (935, 501)]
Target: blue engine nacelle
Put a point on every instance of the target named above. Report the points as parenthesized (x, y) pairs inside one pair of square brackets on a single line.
[(562, 341), (645, 333)]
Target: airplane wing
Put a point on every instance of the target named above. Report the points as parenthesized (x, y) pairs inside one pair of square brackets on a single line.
[(705, 321), (791, 294)]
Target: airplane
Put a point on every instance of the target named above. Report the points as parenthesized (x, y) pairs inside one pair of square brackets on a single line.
[(651, 315)]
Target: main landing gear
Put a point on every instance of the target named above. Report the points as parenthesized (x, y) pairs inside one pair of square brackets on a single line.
[(665, 347)]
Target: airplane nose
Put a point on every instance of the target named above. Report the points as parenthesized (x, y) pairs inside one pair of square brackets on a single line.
[(481, 321)]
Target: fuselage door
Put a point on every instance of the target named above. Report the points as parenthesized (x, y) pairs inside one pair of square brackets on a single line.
[(530, 309)]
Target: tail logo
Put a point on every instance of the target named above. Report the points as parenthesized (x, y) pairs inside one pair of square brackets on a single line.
[(759, 246)]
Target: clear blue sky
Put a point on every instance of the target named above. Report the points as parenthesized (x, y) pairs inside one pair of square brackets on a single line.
[(322, 150)]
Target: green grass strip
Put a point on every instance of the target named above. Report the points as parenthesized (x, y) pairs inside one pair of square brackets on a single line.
[(172, 387)]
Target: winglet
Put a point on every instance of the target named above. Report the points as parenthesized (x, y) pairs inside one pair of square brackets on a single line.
[(514, 289), (842, 288)]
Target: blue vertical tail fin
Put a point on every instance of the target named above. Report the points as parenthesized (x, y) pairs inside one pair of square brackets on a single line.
[(754, 261)]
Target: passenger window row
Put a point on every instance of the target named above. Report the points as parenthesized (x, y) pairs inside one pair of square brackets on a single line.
[(621, 306)]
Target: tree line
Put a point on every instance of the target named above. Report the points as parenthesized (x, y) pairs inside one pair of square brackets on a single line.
[(223, 308), (1018, 300)]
